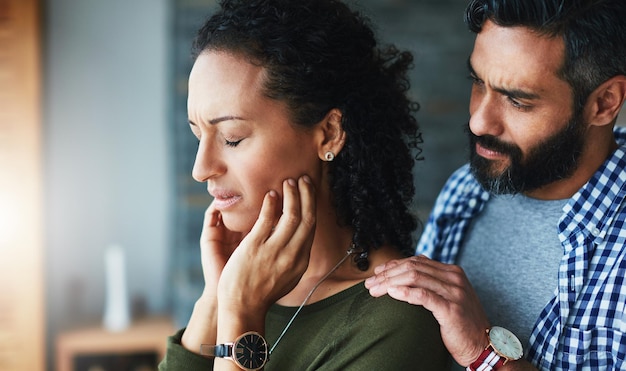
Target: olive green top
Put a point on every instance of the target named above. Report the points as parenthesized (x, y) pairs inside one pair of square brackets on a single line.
[(348, 331)]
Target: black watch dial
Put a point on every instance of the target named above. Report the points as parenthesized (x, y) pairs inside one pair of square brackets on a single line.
[(250, 351)]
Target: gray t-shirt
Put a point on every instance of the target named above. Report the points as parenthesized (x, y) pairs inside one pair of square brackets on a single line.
[(511, 256)]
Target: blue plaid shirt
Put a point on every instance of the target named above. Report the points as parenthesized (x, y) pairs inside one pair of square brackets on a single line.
[(584, 325)]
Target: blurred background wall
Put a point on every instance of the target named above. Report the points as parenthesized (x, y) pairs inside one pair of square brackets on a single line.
[(116, 153), (106, 154)]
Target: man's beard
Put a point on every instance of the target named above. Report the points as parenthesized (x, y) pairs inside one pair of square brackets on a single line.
[(554, 159)]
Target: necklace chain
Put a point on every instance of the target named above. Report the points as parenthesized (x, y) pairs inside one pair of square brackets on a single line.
[(306, 299)]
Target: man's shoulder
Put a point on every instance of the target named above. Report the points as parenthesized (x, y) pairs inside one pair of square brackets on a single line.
[(461, 187), (620, 134)]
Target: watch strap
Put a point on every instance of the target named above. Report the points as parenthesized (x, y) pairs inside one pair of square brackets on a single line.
[(253, 360), (223, 350), (487, 361), (219, 351)]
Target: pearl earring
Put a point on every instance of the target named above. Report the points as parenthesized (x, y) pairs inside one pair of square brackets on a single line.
[(329, 156)]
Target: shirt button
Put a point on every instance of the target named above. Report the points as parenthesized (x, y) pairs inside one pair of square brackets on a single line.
[(472, 203), (595, 232)]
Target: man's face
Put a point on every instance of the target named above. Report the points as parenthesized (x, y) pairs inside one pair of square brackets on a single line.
[(523, 132), (552, 160)]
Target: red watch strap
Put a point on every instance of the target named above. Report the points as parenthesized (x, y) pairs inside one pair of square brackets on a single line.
[(487, 361)]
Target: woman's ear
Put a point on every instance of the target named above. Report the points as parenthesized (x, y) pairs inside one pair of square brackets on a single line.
[(332, 137), (604, 103)]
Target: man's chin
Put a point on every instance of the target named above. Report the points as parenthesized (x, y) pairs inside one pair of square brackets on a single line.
[(489, 169)]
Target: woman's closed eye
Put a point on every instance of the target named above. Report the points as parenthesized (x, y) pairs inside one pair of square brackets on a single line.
[(232, 143)]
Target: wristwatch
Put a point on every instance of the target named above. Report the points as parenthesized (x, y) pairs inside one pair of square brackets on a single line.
[(248, 351), (503, 347)]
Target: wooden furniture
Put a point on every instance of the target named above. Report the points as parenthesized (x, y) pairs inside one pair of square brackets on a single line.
[(139, 348), (22, 324)]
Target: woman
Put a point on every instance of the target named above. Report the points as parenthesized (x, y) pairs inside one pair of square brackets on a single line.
[(305, 142)]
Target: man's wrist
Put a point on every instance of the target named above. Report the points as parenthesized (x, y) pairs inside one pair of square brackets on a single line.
[(478, 350), (487, 360), (503, 347)]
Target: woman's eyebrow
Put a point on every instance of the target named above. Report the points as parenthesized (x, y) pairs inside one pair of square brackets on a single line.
[(216, 121), (223, 118)]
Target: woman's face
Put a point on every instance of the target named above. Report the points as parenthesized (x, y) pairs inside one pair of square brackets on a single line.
[(247, 144)]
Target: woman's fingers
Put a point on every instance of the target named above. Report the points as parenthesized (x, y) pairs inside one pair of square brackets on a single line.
[(291, 213), (297, 220), (308, 206), (264, 224), (271, 261)]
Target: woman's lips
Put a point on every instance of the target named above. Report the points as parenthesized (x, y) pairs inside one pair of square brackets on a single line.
[(223, 199)]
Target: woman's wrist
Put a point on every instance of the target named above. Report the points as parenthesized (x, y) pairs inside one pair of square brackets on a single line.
[(234, 321), (202, 325)]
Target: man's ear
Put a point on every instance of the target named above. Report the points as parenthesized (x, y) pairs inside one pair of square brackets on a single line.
[(332, 137), (604, 103)]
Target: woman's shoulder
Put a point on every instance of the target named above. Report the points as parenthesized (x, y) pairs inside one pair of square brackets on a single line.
[(352, 330), (387, 310), (395, 325)]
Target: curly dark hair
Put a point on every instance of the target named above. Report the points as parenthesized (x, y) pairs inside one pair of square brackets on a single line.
[(594, 33), (320, 55)]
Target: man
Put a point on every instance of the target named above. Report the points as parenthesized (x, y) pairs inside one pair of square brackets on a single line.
[(536, 220)]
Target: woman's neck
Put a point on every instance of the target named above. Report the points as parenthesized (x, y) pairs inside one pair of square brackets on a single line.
[(330, 246)]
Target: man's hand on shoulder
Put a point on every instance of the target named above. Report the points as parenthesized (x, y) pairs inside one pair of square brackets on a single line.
[(444, 290)]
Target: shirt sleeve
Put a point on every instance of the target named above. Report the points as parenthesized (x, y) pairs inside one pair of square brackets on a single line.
[(177, 358)]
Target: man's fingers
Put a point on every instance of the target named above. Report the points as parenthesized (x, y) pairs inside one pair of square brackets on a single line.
[(419, 264), (411, 279), (416, 296), (386, 266), (417, 273)]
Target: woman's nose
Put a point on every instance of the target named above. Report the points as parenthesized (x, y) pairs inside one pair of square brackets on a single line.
[(208, 162)]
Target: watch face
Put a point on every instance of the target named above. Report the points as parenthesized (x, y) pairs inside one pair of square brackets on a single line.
[(250, 351), (505, 343)]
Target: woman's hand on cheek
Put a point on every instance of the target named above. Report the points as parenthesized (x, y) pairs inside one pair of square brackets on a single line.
[(217, 244), (272, 258)]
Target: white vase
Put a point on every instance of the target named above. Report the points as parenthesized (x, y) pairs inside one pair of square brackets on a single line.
[(117, 307)]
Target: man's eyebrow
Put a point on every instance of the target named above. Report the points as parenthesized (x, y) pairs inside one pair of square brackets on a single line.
[(217, 120), (517, 93), (513, 93)]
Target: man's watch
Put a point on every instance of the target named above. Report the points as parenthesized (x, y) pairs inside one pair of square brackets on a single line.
[(249, 351), (503, 347)]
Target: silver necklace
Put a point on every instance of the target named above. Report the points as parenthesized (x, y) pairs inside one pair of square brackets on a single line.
[(348, 253)]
